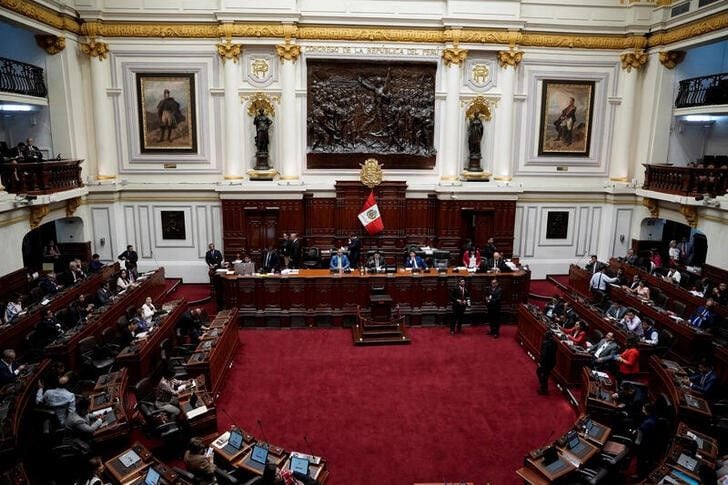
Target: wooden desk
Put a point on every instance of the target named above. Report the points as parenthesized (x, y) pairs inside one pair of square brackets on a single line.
[(119, 473), (580, 280), (142, 357), (65, 348), (666, 375), (205, 422), (707, 445), (216, 350), (13, 336), (316, 293), (111, 394), (569, 363), (553, 471)]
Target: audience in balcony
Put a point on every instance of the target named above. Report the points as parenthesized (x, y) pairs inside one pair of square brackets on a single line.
[(51, 251), (28, 152), (674, 253)]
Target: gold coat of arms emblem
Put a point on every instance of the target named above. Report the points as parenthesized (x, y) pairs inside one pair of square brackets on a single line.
[(371, 173)]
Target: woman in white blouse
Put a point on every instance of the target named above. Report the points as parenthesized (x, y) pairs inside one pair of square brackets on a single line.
[(123, 282), (148, 309)]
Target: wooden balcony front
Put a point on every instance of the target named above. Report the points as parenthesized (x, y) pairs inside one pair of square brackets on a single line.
[(687, 181), (45, 177)]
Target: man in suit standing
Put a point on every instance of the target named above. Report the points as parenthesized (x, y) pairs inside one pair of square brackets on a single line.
[(354, 250), (296, 251), (605, 350), (271, 261), (489, 249), (130, 258), (594, 265), (493, 301), (460, 297), (9, 369), (213, 258), (339, 261), (546, 363), (285, 251), (415, 262)]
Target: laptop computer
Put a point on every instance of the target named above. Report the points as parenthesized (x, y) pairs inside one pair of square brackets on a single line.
[(299, 465), (152, 477), (234, 443), (258, 457), (245, 269)]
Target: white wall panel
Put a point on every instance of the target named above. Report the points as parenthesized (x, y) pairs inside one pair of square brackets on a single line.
[(130, 234), (103, 242), (145, 232), (622, 240), (582, 237), (531, 234), (517, 232), (595, 228), (203, 233)]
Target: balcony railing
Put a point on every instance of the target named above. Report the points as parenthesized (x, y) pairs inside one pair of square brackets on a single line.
[(687, 181), (41, 177), (703, 91), (21, 78)]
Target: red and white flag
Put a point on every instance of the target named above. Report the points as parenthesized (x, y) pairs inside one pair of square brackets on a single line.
[(370, 217)]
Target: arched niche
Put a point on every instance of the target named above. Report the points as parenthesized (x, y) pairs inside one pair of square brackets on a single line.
[(67, 233)]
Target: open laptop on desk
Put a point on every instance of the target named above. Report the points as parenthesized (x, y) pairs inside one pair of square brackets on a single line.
[(257, 458), (299, 465), (234, 444)]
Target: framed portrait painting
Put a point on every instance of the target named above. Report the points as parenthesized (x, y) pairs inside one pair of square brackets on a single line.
[(166, 107), (173, 225), (566, 118)]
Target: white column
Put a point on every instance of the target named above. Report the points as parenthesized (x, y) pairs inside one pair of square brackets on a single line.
[(502, 162), (287, 116), (452, 135), (105, 140), (619, 166), (233, 160)]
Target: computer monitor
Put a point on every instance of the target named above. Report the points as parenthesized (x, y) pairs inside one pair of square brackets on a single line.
[(236, 439), (152, 477), (572, 440), (299, 465), (259, 454)]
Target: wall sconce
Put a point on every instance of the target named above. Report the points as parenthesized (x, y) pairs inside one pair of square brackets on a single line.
[(621, 238), (102, 241)]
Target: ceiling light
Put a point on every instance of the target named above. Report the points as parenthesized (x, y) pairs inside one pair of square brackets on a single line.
[(16, 107), (699, 118)]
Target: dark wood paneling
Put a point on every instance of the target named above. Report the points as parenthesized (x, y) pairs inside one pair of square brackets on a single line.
[(15, 282), (715, 274)]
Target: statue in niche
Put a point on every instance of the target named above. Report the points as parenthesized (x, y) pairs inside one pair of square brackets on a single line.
[(262, 125), (475, 135)]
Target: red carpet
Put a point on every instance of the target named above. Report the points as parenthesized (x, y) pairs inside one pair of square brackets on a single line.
[(195, 292), (442, 409)]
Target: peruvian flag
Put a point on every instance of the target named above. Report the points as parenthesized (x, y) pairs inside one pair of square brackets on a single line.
[(370, 217)]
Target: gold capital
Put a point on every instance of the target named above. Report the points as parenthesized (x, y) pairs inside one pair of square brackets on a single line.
[(454, 55), (228, 50), (288, 51), (670, 59), (37, 213), (511, 57), (95, 49), (635, 59), (691, 214), (652, 206), (72, 205), (50, 43)]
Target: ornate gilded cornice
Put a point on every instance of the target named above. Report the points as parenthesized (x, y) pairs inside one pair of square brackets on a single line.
[(37, 213), (72, 205), (693, 29), (690, 213), (227, 50), (454, 55), (94, 48), (670, 59), (633, 60), (511, 57), (653, 206), (50, 43), (288, 51), (42, 14)]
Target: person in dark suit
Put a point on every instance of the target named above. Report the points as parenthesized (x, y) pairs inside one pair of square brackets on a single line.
[(594, 265), (48, 284), (271, 261), (496, 263), (296, 251), (489, 249), (546, 362), (705, 381), (285, 250), (604, 351), (130, 258), (415, 262), (213, 257), (705, 316), (103, 294), (460, 297), (79, 310), (9, 369), (377, 262), (616, 311), (493, 301), (354, 251), (48, 329)]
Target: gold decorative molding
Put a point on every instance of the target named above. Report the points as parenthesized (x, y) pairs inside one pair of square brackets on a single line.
[(260, 101), (50, 43), (652, 206), (475, 176), (229, 51), (72, 205), (37, 213), (663, 3), (503, 179), (511, 57), (105, 177), (43, 14), (633, 60), (269, 174), (95, 48), (670, 59), (694, 29), (619, 179), (288, 51), (480, 106), (233, 177), (691, 214), (581, 41), (454, 55), (371, 173)]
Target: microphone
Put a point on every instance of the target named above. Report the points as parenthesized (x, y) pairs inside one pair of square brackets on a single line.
[(260, 426), (230, 418), (309, 448)]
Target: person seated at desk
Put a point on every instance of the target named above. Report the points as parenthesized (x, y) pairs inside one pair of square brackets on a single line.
[(191, 323), (594, 265), (673, 276), (94, 473), (376, 262), (471, 258), (705, 316), (633, 284), (605, 350), (655, 260), (705, 381), (55, 397), (568, 318), (720, 294), (631, 257), (148, 309), (13, 309), (166, 395), (78, 310), (271, 261), (642, 291), (577, 334), (199, 463), (615, 311), (631, 322), (339, 261), (9, 369), (650, 335), (415, 262), (123, 281), (79, 269), (554, 307), (103, 294), (48, 329), (48, 284), (95, 265), (141, 324), (496, 263), (79, 423), (628, 362)]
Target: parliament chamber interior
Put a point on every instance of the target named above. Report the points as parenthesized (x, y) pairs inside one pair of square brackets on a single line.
[(363, 242)]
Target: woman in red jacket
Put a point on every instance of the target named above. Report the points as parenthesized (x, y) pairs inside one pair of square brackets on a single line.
[(577, 334), (629, 360), (471, 258)]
